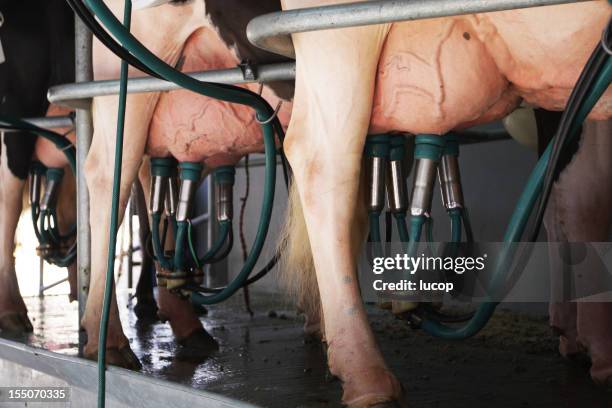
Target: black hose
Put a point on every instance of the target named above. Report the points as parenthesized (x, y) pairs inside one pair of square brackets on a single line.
[(583, 86)]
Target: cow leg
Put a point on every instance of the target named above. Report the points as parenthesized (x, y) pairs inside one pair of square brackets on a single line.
[(324, 145), (582, 213), (99, 174), (13, 313)]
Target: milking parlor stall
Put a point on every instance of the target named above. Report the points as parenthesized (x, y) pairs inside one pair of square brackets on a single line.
[(305, 203)]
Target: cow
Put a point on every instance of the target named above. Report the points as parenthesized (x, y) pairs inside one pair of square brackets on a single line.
[(421, 77), (197, 35), (25, 77), (429, 76)]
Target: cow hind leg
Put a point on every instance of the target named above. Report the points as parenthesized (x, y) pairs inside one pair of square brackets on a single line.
[(331, 113), (581, 212), (13, 313), (99, 175)]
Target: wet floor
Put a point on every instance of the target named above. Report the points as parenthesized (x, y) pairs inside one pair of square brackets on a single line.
[(264, 359)]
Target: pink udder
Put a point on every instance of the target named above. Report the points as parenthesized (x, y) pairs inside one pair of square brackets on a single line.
[(193, 127)]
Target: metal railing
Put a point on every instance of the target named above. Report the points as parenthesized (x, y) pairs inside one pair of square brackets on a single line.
[(78, 95), (272, 32)]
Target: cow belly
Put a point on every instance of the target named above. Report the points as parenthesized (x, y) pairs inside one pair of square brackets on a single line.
[(441, 74), (543, 50), (435, 75), (193, 127)]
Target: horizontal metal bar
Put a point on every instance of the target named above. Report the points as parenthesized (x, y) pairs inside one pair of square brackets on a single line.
[(272, 32), (51, 122), (78, 95), (54, 284)]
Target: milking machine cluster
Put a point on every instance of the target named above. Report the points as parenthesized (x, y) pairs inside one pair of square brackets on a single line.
[(54, 247), (181, 267), (435, 158)]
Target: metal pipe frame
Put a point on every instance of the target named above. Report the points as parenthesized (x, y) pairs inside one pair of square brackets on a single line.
[(272, 32), (78, 95), (48, 122), (84, 132)]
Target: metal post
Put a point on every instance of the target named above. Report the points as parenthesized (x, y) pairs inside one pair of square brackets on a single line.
[(84, 132)]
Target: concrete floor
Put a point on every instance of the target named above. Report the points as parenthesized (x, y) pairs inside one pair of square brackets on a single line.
[(265, 360)]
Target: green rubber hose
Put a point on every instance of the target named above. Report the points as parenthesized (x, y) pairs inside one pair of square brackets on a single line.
[(114, 223), (222, 235), (456, 224), (402, 228), (158, 250)]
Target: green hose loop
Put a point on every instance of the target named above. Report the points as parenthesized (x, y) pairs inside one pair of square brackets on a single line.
[(262, 230), (114, 220), (519, 220)]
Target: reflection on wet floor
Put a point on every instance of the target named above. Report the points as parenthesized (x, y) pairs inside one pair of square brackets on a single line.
[(265, 360)]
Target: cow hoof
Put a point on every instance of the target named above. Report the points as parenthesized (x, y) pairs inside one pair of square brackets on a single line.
[(14, 323), (198, 344), (146, 310), (122, 357)]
